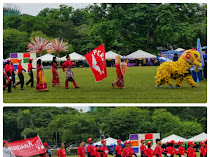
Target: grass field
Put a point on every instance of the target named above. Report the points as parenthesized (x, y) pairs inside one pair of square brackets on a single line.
[(139, 88)]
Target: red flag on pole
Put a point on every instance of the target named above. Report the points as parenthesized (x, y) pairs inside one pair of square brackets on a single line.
[(27, 147), (97, 62)]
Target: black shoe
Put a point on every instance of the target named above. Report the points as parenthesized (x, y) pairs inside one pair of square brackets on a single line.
[(77, 87), (22, 89), (26, 85), (112, 85)]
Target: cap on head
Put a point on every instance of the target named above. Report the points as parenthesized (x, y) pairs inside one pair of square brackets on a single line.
[(30, 59), (45, 144), (180, 142), (119, 140), (142, 140), (90, 139), (103, 141), (4, 142), (148, 143)]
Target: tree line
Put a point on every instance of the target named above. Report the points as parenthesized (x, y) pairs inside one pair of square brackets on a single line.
[(71, 125), (124, 28)]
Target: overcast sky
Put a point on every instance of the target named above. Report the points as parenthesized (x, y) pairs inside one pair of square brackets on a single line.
[(84, 108), (35, 8)]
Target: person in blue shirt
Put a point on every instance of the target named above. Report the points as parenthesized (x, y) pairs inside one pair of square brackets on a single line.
[(175, 58)]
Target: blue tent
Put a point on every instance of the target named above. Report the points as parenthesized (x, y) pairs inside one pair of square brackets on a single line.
[(169, 54)]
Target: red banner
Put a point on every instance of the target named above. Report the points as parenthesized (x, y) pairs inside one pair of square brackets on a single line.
[(97, 62), (27, 147)]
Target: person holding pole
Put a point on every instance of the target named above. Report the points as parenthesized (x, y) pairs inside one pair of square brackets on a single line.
[(45, 154), (67, 65)]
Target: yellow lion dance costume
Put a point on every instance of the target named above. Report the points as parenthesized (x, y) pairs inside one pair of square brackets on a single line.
[(179, 70)]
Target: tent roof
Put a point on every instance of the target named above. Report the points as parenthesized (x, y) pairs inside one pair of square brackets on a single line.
[(74, 56), (109, 141), (174, 137), (111, 55), (198, 138), (47, 57), (140, 54), (179, 49)]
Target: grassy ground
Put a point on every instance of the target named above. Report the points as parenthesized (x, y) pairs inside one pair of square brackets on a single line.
[(139, 88)]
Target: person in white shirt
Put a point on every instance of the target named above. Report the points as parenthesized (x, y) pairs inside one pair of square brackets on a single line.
[(6, 151)]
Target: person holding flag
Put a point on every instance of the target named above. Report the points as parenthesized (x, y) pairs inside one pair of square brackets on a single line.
[(81, 149), (67, 65), (30, 72), (118, 149), (45, 154), (142, 147), (148, 152), (20, 75), (119, 82), (6, 151)]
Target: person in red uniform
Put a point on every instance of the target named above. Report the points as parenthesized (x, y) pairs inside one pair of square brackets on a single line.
[(158, 150), (20, 75), (119, 82), (30, 72), (69, 73), (81, 149), (45, 154), (142, 147), (148, 152), (126, 152), (61, 152), (91, 150), (171, 151), (5, 80), (55, 80), (118, 149), (181, 149), (104, 149), (191, 150), (132, 152), (206, 146), (98, 154), (8, 71), (202, 149), (13, 74)]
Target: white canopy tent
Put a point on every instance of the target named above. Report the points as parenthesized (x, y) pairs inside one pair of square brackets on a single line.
[(74, 56), (198, 138), (140, 54), (111, 55), (109, 141), (47, 57), (179, 49), (174, 137)]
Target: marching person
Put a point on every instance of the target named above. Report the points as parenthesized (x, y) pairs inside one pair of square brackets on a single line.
[(171, 151), (104, 149), (8, 71), (202, 149), (181, 150), (81, 149), (6, 151), (142, 148), (55, 80), (41, 82), (119, 82), (6, 80), (118, 149), (126, 152), (30, 72), (13, 74), (132, 152), (158, 150), (91, 150), (98, 154), (191, 150), (45, 154), (69, 73), (148, 152), (61, 151), (20, 75)]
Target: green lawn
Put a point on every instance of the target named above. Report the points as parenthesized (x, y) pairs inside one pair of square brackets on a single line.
[(139, 88)]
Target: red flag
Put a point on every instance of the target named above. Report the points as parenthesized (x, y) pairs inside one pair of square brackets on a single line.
[(97, 62), (27, 147)]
